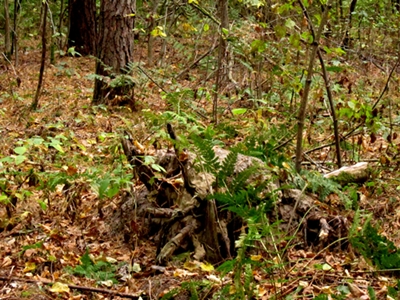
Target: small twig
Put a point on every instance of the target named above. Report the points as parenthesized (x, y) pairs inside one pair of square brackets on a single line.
[(72, 286), (196, 61), (295, 207), (386, 87), (152, 80)]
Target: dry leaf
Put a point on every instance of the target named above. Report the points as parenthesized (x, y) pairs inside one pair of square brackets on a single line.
[(59, 287)]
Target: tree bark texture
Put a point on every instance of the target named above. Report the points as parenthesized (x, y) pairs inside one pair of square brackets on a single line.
[(7, 29), (222, 55), (82, 26), (307, 86), (115, 47)]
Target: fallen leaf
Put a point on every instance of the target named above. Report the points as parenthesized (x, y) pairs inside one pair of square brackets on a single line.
[(59, 287), (207, 267)]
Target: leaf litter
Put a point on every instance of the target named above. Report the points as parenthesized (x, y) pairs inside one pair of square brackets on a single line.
[(45, 237)]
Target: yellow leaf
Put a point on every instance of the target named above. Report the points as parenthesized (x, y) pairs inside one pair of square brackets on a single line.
[(193, 1), (188, 27), (255, 257), (29, 266), (207, 267), (190, 266), (158, 31), (232, 290), (59, 287)]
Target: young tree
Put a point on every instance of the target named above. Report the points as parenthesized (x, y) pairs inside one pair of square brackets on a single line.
[(82, 26), (115, 47)]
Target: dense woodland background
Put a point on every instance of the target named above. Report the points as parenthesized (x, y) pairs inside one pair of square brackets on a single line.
[(177, 149)]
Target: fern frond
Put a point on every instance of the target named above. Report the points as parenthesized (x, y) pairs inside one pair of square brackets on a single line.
[(207, 154), (228, 166), (248, 280), (239, 182)]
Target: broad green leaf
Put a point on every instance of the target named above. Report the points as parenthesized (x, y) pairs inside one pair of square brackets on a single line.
[(258, 46), (43, 205), (136, 268), (149, 160), (290, 23), (20, 159), (206, 27), (58, 147), (351, 104), (3, 198), (7, 159), (158, 168), (103, 185), (20, 150), (112, 191), (37, 141), (326, 267), (239, 111)]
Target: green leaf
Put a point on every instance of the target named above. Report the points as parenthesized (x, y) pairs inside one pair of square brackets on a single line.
[(206, 27), (334, 69), (20, 159), (290, 23), (103, 185), (20, 150), (225, 32), (112, 191), (158, 168), (43, 205), (239, 111), (4, 199)]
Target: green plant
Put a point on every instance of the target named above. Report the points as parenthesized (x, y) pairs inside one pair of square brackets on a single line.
[(376, 248), (99, 271), (249, 199), (318, 184)]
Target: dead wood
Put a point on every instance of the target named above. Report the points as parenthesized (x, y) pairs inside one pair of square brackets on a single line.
[(175, 209), (357, 173)]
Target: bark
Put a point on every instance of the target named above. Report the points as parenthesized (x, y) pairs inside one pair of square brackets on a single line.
[(82, 26), (35, 101), (222, 56), (7, 40), (347, 39), (304, 100), (115, 47)]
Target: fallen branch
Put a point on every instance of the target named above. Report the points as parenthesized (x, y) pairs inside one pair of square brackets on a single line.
[(72, 286)]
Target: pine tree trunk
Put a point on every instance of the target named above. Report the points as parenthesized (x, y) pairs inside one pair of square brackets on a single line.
[(115, 47), (82, 26)]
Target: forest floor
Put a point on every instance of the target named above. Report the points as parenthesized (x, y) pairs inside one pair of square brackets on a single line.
[(47, 238)]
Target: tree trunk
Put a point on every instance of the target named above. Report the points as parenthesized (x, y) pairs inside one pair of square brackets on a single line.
[(7, 41), (82, 26), (115, 48), (222, 55)]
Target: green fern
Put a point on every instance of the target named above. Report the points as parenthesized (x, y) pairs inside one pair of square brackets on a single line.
[(228, 166), (316, 183), (378, 249), (239, 182), (209, 161)]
